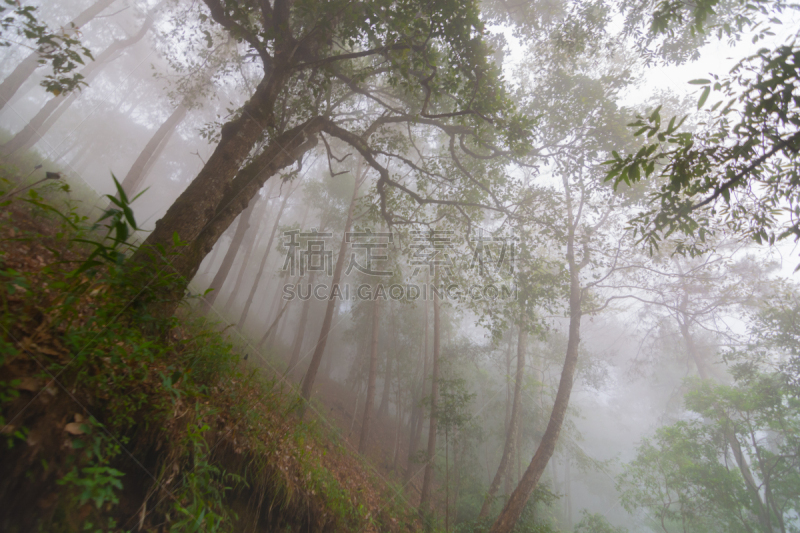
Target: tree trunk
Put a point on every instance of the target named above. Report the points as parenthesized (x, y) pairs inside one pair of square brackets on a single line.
[(82, 151), (316, 359), (741, 461), (427, 481), (253, 289), (511, 435), (516, 503), (227, 261), (297, 346), (252, 240), (133, 181), (34, 130), (387, 388), (417, 419), (398, 422), (456, 476), (446, 480), (509, 478), (567, 494), (372, 377), (274, 324), (22, 72), (214, 199)]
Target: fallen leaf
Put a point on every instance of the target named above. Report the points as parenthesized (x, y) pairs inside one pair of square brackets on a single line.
[(73, 428), (29, 384)]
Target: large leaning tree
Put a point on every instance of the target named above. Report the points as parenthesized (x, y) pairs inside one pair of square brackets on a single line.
[(403, 83)]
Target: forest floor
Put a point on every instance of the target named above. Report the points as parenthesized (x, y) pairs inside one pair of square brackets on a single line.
[(115, 422)]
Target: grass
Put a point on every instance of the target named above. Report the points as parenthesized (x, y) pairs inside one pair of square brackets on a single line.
[(114, 421)]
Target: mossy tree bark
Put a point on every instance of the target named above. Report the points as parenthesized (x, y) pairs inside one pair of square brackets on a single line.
[(208, 206)]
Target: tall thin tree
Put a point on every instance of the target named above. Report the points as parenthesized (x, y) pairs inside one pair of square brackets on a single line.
[(34, 130), (23, 71), (427, 481), (369, 401)]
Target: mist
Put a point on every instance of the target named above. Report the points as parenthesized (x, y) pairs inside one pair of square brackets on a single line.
[(534, 265)]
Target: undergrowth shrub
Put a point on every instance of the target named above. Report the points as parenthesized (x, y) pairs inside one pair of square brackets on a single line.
[(166, 395), (104, 346)]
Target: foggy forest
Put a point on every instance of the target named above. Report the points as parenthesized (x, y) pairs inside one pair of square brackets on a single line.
[(397, 265)]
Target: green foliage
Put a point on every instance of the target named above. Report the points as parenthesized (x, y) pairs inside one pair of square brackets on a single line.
[(530, 521), (119, 223), (200, 500), (61, 49), (739, 167), (671, 31), (143, 385), (453, 411), (596, 523), (689, 472), (93, 479)]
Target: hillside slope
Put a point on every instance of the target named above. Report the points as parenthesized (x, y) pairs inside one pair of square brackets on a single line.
[(116, 422)]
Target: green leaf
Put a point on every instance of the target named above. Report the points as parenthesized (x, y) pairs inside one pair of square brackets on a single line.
[(703, 97)]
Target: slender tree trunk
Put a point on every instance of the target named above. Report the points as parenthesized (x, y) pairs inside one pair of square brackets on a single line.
[(48, 115), (398, 422), (509, 478), (427, 481), (446, 480), (416, 426), (509, 391), (261, 266), (252, 239), (518, 446), (387, 387), (456, 476), (34, 129), (227, 261), (355, 410), (371, 379), (297, 346), (511, 435), (326, 369), (133, 181), (316, 359), (741, 460), (383, 410), (274, 324), (567, 494), (22, 72), (516, 503), (82, 151), (276, 303)]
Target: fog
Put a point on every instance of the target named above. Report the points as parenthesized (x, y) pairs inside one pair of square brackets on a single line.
[(654, 324)]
